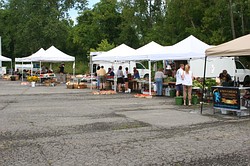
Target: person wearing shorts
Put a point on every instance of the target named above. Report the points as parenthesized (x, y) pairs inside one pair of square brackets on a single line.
[(178, 84), (102, 77), (126, 79), (120, 80)]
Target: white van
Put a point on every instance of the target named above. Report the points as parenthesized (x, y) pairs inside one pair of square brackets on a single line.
[(143, 71), (215, 65)]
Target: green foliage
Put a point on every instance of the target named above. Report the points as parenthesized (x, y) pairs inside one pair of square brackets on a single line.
[(210, 82), (105, 46)]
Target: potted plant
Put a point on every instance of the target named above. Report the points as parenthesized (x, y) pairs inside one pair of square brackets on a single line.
[(33, 80)]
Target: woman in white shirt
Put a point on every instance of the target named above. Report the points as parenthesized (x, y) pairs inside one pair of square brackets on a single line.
[(187, 83), (120, 78)]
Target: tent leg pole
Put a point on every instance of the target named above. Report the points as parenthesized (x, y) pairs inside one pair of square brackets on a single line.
[(22, 71), (203, 84), (91, 75), (149, 86), (40, 72), (12, 72)]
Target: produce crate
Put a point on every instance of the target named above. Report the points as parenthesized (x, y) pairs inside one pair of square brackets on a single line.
[(70, 86), (81, 86)]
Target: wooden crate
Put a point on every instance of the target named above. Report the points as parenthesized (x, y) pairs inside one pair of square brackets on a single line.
[(70, 86), (82, 86)]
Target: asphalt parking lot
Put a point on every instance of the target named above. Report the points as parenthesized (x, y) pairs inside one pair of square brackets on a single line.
[(57, 126)]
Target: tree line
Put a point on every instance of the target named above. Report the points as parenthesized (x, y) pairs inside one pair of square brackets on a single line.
[(28, 25)]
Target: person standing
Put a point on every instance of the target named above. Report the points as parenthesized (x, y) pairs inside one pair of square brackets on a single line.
[(187, 77), (125, 74), (102, 77), (178, 83), (110, 72), (61, 71), (136, 76), (98, 77), (159, 75), (119, 78)]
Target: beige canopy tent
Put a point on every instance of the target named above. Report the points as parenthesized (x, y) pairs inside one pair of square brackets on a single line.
[(236, 47)]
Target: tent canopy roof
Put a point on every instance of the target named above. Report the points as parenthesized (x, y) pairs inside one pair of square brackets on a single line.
[(30, 58), (188, 48), (191, 47), (115, 54), (236, 47), (52, 54), (149, 51), (3, 58)]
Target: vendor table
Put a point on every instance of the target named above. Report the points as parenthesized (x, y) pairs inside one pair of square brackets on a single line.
[(47, 78), (235, 99)]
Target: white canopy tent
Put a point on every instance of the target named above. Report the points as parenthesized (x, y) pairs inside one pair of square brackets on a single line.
[(52, 54), (191, 47), (39, 54), (114, 55), (149, 51), (126, 53), (118, 53), (5, 59)]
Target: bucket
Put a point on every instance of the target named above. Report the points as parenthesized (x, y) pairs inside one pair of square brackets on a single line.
[(194, 100), (172, 92), (167, 92), (33, 84), (179, 100)]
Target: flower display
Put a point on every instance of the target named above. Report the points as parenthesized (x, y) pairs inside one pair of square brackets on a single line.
[(32, 78)]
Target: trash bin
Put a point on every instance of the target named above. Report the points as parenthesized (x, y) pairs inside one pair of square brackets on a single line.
[(179, 100)]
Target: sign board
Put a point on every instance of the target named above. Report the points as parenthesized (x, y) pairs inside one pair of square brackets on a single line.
[(226, 97)]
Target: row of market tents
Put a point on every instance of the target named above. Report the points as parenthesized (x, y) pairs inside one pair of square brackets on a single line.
[(190, 47), (52, 54)]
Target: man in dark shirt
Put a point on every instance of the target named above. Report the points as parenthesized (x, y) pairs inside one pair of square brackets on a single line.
[(62, 77), (61, 68), (225, 78)]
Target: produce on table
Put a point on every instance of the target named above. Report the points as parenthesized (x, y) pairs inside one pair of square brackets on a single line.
[(143, 96), (106, 92)]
